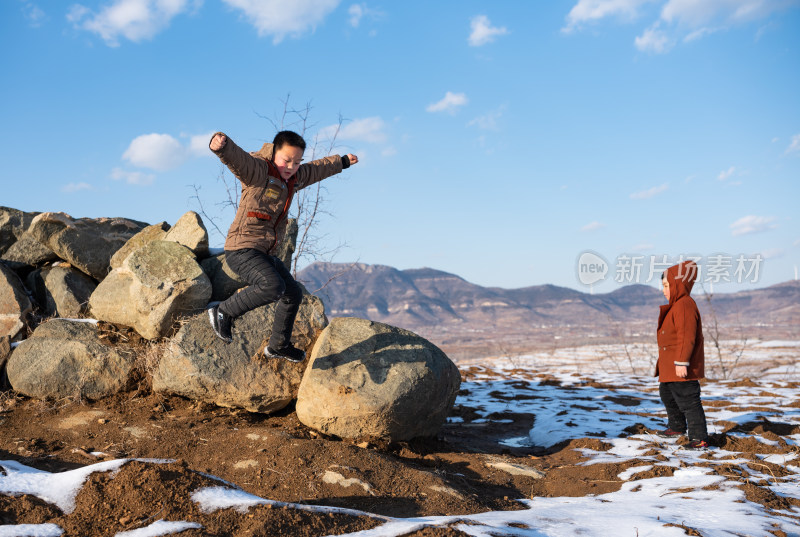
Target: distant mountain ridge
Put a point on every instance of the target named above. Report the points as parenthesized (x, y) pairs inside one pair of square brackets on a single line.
[(425, 297)]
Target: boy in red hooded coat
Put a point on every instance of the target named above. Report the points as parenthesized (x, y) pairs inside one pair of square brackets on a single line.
[(681, 359)]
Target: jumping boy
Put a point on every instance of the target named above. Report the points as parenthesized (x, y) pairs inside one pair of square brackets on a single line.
[(269, 178), (681, 358)]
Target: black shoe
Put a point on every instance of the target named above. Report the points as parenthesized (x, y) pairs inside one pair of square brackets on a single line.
[(221, 323), (668, 433), (289, 352)]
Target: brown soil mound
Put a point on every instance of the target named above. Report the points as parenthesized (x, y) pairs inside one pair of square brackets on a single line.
[(463, 471)]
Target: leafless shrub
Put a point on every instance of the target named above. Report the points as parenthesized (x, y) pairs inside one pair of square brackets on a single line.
[(726, 361)]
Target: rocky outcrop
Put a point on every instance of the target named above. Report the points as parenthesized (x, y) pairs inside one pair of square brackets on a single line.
[(14, 304), (156, 232), (156, 284), (27, 252), (86, 243), (13, 224), (198, 365), (190, 231), (61, 291), (224, 281), (66, 359), (372, 380)]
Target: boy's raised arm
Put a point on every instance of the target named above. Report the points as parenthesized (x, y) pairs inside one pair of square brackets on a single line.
[(241, 163), (317, 170)]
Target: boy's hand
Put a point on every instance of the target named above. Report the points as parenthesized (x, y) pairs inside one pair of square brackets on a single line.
[(218, 142), (353, 158), (681, 371)]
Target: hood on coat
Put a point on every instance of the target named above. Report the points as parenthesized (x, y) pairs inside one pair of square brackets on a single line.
[(681, 278), (266, 152)]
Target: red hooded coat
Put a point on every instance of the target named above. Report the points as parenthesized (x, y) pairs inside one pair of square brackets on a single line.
[(680, 332)]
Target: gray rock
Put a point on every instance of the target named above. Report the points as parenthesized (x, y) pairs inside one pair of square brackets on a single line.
[(13, 224), (65, 358), (224, 281), (285, 249), (190, 231), (14, 304), (61, 291), (372, 380), (156, 232), (86, 243), (198, 365), (155, 286), (27, 252)]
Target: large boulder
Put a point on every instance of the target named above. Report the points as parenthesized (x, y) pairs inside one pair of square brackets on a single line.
[(65, 358), (13, 224), (27, 253), (372, 380), (155, 286), (156, 232), (190, 231), (224, 281), (61, 290), (14, 304), (86, 243), (198, 365)]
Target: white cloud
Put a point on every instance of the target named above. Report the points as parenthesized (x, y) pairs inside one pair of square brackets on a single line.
[(752, 224), (198, 143), (356, 12), (135, 20), (694, 14), (281, 18), (653, 40), (132, 178), (76, 187), (726, 174), (33, 14), (691, 19), (449, 103), (488, 121), (368, 129), (483, 32), (593, 226), (794, 146), (155, 151), (389, 151), (773, 253), (593, 10), (650, 192)]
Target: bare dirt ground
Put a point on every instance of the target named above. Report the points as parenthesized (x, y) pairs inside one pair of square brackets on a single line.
[(274, 456)]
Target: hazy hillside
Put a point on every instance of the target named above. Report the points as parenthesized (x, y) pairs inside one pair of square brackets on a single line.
[(451, 310)]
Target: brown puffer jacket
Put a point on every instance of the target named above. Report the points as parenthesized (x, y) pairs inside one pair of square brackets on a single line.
[(260, 220), (680, 332)]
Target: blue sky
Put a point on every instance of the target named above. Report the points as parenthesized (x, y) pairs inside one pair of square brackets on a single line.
[(497, 141)]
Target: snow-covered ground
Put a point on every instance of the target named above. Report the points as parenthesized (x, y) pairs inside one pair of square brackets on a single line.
[(592, 400)]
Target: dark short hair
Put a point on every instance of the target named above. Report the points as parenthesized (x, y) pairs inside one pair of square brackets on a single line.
[(288, 138)]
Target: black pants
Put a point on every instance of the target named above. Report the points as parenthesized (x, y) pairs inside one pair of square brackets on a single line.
[(682, 401), (269, 281)]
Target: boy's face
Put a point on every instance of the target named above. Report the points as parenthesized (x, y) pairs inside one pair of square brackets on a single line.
[(665, 288), (287, 159)]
